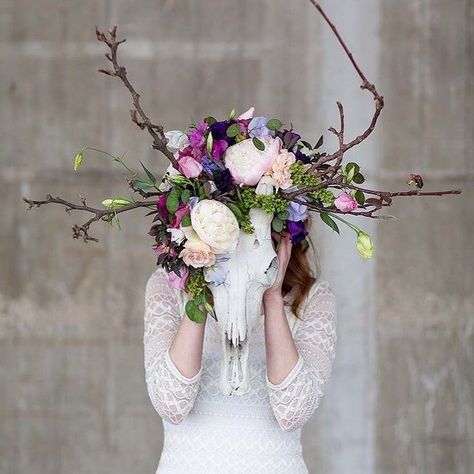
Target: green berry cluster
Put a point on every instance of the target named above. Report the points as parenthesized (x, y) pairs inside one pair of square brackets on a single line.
[(273, 203), (246, 224), (301, 177), (324, 195), (196, 283)]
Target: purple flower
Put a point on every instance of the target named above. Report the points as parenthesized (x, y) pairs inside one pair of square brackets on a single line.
[(209, 165), (161, 206), (258, 128), (298, 212), (297, 231), (196, 138), (289, 139), (218, 149), (300, 156), (223, 180), (219, 131)]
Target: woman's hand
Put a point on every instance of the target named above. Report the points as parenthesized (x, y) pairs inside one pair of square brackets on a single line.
[(283, 255)]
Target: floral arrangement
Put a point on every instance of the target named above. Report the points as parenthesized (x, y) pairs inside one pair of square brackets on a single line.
[(220, 170)]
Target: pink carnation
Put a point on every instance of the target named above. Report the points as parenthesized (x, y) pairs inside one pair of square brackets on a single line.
[(280, 171)]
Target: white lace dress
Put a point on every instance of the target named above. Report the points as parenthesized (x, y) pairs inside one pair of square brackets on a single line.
[(207, 432)]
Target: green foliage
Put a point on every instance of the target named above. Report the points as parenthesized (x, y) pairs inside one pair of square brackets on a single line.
[(259, 145), (196, 282), (329, 221), (233, 130), (172, 200), (301, 177), (273, 203), (193, 311), (274, 124)]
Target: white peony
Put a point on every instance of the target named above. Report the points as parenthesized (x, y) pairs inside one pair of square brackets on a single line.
[(177, 140), (216, 225), (247, 164)]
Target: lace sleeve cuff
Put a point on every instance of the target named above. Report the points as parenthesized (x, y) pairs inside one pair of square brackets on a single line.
[(175, 371), (292, 375)]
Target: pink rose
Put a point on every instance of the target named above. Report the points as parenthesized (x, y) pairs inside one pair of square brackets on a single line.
[(190, 167), (247, 164), (280, 171), (197, 253), (178, 282), (345, 202)]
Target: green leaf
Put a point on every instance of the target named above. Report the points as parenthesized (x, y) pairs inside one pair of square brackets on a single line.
[(351, 165), (232, 114), (210, 120), (186, 221), (284, 215), (350, 175), (259, 145), (201, 192), (320, 143), (358, 178), (185, 195), (150, 175), (172, 201), (143, 185), (277, 224), (237, 212), (329, 221), (193, 312), (117, 221), (233, 130), (274, 124), (359, 196), (306, 144)]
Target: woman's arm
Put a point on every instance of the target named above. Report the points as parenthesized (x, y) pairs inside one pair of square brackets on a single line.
[(298, 368), (173, 351)]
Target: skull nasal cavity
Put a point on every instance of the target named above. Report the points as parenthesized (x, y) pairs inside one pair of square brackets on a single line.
[(256, 244)]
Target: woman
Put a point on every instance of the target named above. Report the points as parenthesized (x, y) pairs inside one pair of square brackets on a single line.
[(291, 354)]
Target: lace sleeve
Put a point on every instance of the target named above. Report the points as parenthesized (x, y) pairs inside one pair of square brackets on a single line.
[(294, 399), (171, 393)]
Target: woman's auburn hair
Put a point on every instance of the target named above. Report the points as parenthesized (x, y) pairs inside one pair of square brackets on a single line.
[(298, 276)]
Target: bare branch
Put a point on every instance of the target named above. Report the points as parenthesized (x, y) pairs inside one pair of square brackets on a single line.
[(99, 214), (366, 85), (138, 115)]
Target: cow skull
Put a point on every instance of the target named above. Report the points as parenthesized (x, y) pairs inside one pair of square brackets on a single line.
[(251, 269)]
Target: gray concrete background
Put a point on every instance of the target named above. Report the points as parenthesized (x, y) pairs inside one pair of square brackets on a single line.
[(73, 397)]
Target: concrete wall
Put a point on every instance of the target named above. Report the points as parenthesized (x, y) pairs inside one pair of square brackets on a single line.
[(73, 397)]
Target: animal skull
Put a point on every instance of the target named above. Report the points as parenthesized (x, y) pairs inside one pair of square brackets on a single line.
[(252, 268)]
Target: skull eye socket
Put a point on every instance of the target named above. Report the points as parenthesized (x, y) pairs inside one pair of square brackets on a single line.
[(272, 271)]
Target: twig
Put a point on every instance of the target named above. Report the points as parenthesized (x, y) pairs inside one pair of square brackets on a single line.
[(137, 114), (99, 214), (366, 85)]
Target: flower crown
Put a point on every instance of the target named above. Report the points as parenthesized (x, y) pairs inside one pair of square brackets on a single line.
[(221, 170)]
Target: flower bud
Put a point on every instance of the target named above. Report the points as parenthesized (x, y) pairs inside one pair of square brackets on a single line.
[(364, 245), (115, 203)]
